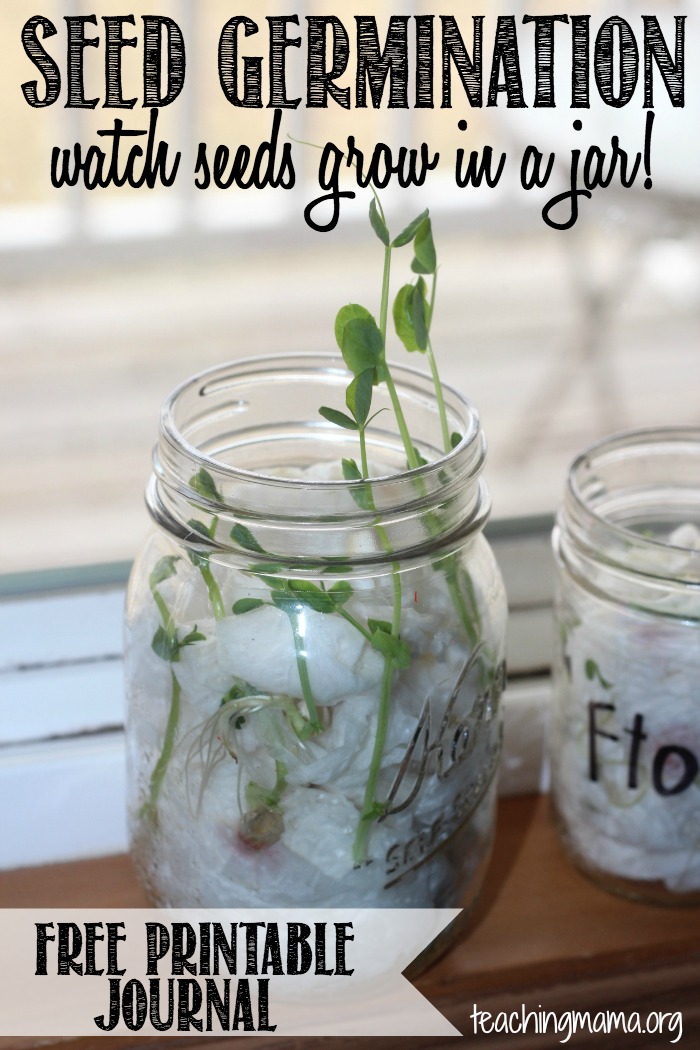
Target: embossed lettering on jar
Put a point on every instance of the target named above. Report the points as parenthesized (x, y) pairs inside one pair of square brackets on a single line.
[(314, 665)]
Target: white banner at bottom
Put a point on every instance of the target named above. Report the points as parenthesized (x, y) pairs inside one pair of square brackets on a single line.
[(307, 972)]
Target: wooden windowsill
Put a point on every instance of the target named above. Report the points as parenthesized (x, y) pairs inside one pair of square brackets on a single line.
[(543, 936)]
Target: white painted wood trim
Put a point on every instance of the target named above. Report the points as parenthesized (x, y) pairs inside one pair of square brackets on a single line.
[(64, 799), (62, 771)]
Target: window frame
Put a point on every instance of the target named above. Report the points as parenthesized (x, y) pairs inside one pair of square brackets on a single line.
[(62, 755)]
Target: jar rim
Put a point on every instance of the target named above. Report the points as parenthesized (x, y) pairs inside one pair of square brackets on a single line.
[(334, 363), (627, 548), (221, 422)]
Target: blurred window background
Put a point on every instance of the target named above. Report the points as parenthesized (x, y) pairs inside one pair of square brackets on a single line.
[(109, 299)]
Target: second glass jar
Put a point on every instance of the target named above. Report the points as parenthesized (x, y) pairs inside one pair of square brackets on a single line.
[(626, 735)]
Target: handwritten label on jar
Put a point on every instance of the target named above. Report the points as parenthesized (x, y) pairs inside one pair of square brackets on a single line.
[(684, 764)]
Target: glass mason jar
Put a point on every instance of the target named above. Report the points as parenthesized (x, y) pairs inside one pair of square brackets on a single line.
[(313, 665), (626, 737)]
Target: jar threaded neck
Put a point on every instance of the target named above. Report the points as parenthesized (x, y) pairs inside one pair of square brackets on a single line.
[(273, 466)]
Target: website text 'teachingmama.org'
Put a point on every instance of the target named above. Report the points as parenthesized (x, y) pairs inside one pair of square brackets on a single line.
[(569, 1022)]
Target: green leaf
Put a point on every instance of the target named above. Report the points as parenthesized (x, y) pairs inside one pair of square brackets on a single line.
[(264, 571), (199, 560), (392, 647), (409, 233), (403, 317), (358, 396), (283, 601), (299, 724), (411, 316), (425, 260), (264, 566), (244, 605), (362, 494), (303, 586), (378, 224), (271, 581), (238, 691), (166, 645), (309, 594), (300, 593), (201, 528), (362, 346), (203, 483), (351, 471), (455, 438), (245, 538), (194, 636), (593, 671), (421, 461), (340, 592), (379, 625), (419, 311), (163, 570), (339, 418), (349, 313)]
